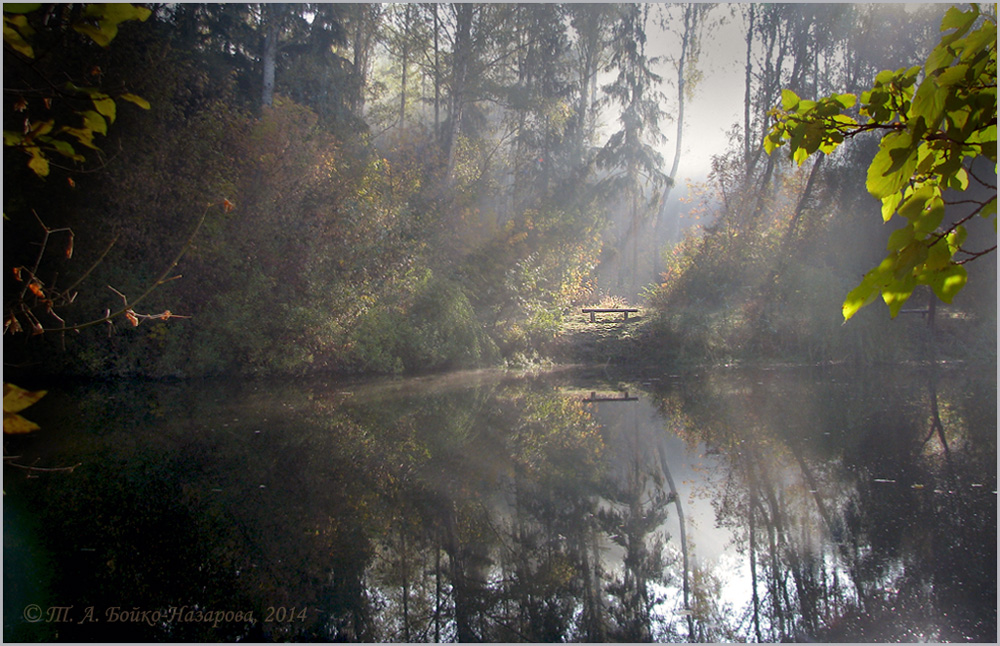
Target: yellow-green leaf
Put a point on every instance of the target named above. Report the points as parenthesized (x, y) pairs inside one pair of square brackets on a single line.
[(38, 162), (916, 203), (94, 121), (65, 148), (16, 399), (896, 293), (14, 424), (948, 282), (889, 204), (21, 7), (900, 238), (138, 100), (789, 100), (84, 135), (12, 35), (892, 165), (106, 106), (12, 138), (938, 255), (857, 298)]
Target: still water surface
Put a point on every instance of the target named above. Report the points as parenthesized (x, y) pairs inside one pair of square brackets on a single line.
[(732, 505)]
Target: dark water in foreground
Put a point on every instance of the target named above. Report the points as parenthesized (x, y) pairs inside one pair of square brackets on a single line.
[(819, 505)]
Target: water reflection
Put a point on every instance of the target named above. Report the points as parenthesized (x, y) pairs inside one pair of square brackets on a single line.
[(763, 505)]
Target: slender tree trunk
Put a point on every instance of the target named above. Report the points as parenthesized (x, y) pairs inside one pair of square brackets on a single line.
[(682, 533), (405, 63), (437, 76), (404, 566), (460, 69), (753, 564), (270, 13), (690, 24), (746, 91)]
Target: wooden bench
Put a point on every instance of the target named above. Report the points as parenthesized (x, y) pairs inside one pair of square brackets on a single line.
[(623, 398), (609, 310)]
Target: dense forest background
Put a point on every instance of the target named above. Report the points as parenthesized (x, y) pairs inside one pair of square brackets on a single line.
[(401, 187)]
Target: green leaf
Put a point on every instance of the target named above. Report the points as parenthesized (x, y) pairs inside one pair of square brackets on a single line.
[(106, 106), (38, 129), (846, 101), (65, 148), (896, 293), (908, 259), (108, 16), (938, 257), (928, 102), (20, 7), (955, 18), (900, 238), (857, 298), (789, 100), (805, 106), (929, 219), (94, 121), (892, 165), (959, 181), (988, 210), (84, 135), (911, 208), (138, 100), (866, 292), (949, 281), (12, 138), (772, 141), (96, 33), (16, 399), (12, 28), (957, 238), (38, 162), (884, 77), (889, 204), (952, 75)]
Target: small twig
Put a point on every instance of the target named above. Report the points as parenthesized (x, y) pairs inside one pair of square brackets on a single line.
[(974, 254), (7, 460), (976, 177), (156, 283), (94, 266)]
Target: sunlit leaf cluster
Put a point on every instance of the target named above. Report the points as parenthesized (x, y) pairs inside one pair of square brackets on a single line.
[(935, 121), (45, 133)]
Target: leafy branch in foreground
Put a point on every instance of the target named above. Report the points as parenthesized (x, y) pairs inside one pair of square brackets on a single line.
[(43, 135), (932, 132)]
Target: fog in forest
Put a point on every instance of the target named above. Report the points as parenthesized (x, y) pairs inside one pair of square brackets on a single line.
[(607, 259)]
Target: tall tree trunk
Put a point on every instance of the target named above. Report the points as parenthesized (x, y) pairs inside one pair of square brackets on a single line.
[(405, 62), (746, 91), (682, 533), (437, 76), (269, 13), (365, 19), (753, 564), (459, 77), (690, 24)]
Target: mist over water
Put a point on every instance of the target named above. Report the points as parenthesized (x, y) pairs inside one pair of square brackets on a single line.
[(515, 507)]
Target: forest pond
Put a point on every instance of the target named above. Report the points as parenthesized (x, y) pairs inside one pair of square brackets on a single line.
[(737, 504)]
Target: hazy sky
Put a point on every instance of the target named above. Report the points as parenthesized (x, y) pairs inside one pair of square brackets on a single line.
[(718, 100)]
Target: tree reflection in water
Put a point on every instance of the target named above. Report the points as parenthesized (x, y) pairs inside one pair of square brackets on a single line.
[(841, 507)]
